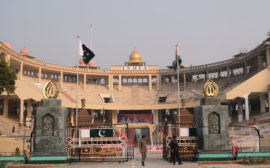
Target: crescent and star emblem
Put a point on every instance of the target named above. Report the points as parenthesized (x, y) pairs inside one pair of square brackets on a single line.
[(101, 133)]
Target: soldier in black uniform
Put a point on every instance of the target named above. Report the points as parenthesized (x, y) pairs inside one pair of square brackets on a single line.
[(174, 150)]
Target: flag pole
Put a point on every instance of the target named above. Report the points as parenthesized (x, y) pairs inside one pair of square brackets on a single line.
[(77, 71), (178, 87), (91, 37)]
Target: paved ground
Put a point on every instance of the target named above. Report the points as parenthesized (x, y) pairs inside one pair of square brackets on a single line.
[(152, 161)]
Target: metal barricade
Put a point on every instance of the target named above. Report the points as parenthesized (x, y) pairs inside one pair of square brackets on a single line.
[(82, 147)]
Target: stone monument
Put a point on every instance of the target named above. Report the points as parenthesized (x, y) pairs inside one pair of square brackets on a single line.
[(212, 121), (50, 123)]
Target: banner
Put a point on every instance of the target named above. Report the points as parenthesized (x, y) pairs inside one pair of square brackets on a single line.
[(134, 118), (99, 133)]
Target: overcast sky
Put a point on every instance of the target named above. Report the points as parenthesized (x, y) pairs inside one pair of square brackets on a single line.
[(207, 31)]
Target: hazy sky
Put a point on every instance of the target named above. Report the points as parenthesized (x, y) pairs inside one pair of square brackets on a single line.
[(207, 30)]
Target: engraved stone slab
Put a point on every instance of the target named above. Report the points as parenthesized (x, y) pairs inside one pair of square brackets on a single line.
[(50, 128), (212, 126)]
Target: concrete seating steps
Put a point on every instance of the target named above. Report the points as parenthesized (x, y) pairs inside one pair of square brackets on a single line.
[(6, 128)]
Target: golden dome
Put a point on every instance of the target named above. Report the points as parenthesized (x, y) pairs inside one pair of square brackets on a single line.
[(24, 51), (135, 56), (7, 45)]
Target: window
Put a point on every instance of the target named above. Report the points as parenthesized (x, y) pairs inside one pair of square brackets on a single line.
[(162, 99)]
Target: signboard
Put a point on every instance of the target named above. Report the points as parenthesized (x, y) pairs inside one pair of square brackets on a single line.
[(99, 133), (134, 118), (134, 68)]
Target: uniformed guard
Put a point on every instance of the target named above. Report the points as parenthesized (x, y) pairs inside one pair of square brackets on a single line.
[(175, 150), (142, 147)]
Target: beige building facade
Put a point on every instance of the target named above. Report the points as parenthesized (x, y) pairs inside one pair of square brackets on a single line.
[(136, 93)]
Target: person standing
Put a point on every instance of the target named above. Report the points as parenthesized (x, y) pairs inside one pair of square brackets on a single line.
[(142, 148), (175, 150)]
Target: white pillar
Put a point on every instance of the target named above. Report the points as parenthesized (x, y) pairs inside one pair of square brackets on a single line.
[(62, 79), (119, 82), (155, 116), (240, 110), (21, 70), (262, 103), (84, 81), (246, 107), (150, 82), (39, 75)]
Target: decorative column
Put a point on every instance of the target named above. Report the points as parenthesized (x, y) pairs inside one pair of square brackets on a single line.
[(72, 117), (150, 82), (21, 110), (246, 107), (119, 82), (114, 116), (151, 135), (240, 110), (5, 104), (206, 75), (61, 80), (21, 70), (158, 81), (228, 72), (84, 81), (39, 75), (92, 117), (245, 69), (262, 103), (230, 113), (110, 82), (155, 116), (260, 65)]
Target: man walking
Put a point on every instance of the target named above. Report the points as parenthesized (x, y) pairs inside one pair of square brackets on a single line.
[(174, 150), (142, 147)]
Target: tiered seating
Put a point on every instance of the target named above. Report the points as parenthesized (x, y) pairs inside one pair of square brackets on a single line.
[(9, 127)]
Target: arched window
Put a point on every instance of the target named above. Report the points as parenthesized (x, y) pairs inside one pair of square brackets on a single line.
[(213, 123)]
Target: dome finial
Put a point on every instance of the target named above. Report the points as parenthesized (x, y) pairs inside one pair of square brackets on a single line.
[(135, 56)]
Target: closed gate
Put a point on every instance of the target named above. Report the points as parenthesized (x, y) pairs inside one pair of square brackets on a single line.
[(186, 138), (99, 143)]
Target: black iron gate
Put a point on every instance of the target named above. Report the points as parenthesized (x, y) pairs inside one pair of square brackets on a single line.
[(186, 138)]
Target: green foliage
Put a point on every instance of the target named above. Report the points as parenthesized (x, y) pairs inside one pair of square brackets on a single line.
[(7, 78)]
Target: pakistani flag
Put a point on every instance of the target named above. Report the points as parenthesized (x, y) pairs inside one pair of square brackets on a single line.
[(85, 52), (99, 133)]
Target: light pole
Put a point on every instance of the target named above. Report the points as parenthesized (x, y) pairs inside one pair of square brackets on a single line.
[(260, 136)]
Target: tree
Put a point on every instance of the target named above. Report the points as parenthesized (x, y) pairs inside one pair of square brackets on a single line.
[(7, 77)]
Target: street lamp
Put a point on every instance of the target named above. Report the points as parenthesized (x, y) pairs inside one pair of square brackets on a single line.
[(260, 136)]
